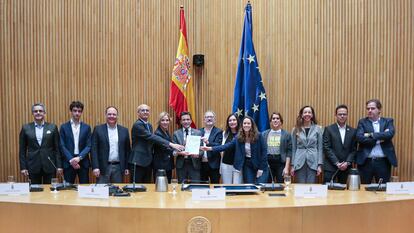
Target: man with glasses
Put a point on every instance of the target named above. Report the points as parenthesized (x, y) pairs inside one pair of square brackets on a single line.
[(143, 141), (339, 144), (210, 161), (75, 144), (39, 148)]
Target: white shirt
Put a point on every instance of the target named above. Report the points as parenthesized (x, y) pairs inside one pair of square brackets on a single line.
[(75, 131), (248, 150), (113, 144), (376, 150), (206, 135), (342, 131), (39, 132)]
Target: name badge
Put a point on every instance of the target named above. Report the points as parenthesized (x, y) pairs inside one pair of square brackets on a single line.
[(311, 191), (14, 189), (217, 194), (400, 188), (93, 191)]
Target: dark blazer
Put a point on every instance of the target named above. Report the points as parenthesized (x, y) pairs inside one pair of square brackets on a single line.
[(215, 139), (285, 144), (163, 156), (33, 156), (143, 141), (385, 136), (334, 150), (67, 144), (100, 147), (178, 138), (258, 150)]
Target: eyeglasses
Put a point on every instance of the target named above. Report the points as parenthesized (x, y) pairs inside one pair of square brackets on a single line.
[(36, 111), (144, 110)]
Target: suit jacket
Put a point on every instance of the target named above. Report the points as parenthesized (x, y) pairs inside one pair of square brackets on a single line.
[(215, 139), (334, 150), (33, 156), (143, 141), (178, 138), (100, 147), (258, 153), (385, 136), (67, 144), (285, 144), (163, 156), (307, 149)]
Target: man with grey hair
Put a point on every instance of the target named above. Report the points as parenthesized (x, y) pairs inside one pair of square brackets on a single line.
[(143, 140), (210, 161), (39, 154)]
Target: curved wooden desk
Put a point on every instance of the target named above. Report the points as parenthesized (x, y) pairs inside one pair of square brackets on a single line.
[(341, 211)]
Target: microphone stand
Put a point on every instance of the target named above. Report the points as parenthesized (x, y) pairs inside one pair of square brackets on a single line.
[(63, 178), (134, 188), (273, 180), (331, 183)]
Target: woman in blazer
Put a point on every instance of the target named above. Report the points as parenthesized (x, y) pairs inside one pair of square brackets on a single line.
[(307, 147), (250, 153), (163, 156), (279, 148), (227, 171)]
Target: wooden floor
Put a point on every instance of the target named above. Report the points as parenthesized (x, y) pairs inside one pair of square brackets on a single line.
[(341, 211)]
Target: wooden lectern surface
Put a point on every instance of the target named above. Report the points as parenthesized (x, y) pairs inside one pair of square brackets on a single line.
[(341, 211)]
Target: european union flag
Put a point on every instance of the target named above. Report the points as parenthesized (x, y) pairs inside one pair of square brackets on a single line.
[(249, 93)]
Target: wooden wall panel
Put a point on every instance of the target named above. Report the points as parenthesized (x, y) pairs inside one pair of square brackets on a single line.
[(107, 52)]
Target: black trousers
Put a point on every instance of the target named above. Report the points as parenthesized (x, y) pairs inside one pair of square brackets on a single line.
[(209, 174), (188, 172), (41, 177), (276, 167), (341, 176), (142, 174), (375, 168), (70, 175)]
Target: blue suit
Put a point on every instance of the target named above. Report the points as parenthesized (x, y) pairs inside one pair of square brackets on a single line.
[(67, 148), (210, 170), (258, 160), (369, 167)]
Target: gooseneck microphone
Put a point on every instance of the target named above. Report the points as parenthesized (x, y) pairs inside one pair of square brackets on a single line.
[(133, 178), (271, 176), (331, 182), (53, 164)]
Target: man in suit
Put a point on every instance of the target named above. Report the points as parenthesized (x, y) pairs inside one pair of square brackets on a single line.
[(39, 148), (210, 160), (188, 165), (75, 145), (339, 144), (376, 153), (143, 141), (110, 149)]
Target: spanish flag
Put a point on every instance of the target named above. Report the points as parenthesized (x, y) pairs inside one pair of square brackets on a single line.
[(182, 91)]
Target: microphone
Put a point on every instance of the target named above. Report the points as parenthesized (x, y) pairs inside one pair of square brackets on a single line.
[(53, 164), (133, 187), (271, 176), (331, 183)]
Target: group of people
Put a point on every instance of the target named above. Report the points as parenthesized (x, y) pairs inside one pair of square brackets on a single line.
[(239, 154)]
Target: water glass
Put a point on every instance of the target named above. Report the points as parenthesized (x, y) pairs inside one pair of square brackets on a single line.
[(54, 182), (287, 180), (174, 184)]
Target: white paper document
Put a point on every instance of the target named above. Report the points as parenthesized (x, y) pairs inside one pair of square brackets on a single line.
[(93, 191), (14, 188), (311, 191), (217, 194), (192, 144), (400, 188)]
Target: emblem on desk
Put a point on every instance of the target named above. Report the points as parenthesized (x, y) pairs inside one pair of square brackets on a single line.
[(199, 224)]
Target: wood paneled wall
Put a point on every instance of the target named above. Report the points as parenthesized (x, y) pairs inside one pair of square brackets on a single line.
[(108, 52)]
